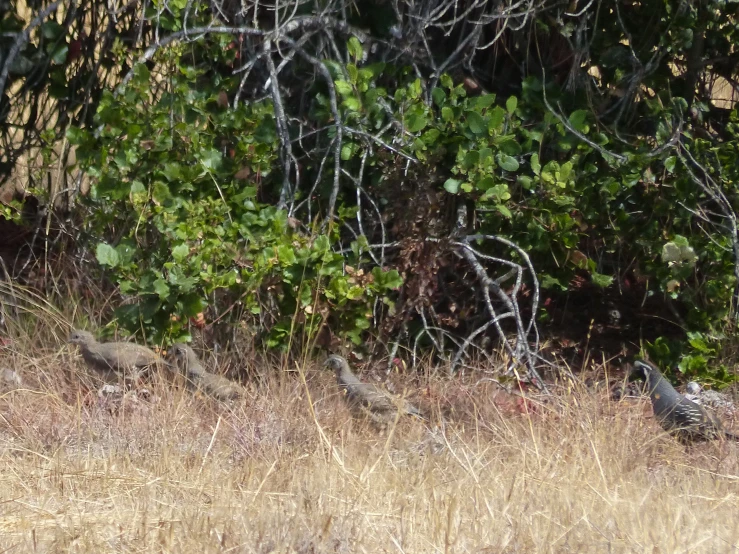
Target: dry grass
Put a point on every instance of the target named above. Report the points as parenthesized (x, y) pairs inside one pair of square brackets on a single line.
[(183, 474)]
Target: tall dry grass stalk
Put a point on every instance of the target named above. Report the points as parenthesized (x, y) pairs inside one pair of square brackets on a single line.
[(278, 472)]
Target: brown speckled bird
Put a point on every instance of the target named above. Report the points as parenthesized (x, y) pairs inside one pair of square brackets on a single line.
[(366, 399), (220, 388), (115, 360)]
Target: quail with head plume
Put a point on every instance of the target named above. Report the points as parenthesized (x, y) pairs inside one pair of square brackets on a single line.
[(220, 388), (367, 399), (114, 360), (679, 416)]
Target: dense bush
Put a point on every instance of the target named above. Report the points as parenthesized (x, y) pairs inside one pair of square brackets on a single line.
[(176, 198), (297, 174)]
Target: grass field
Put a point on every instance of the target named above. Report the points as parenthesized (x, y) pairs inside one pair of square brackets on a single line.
[(180, 473)]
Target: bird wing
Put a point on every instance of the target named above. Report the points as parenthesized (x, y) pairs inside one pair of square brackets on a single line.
[(371, 397), (130, 354), (682, 415), (219, 387)]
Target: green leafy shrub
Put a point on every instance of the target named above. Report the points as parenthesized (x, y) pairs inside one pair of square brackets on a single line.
[(174, 206), (562, 188), (185, 187)]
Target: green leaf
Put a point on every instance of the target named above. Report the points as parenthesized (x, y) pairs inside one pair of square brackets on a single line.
[(52, 30), (387, 279), (355, 48), (126, 287), (452, 185), (180, 252), (476, 123), (535, 165), (286, 254), (106, 255), (344, 88), (485, 183), (59, 56), (346, 152), (76, 136), (322, 244), (681, 241), (375, 68), (415, 122), (511, 104), (160, 192), (352, 103), (353, 72), (414, 89), (211, 159), (484, 101), (497, 118), (172, 171), (430, 136), (498, 192), (509, 145), (549, 282), (670, 164), (471, 159), (447, 114), (507, 162), (525, 181), (578, 120), (601, 280), (439, 96), (504, 210), (335, 69), (355, 293), (141, 73), (698, 342), (161, 288)]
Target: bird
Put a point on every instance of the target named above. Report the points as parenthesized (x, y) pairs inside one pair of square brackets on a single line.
[(678, 415), (115, 360), (710, 398), (220, 388), (367, 399)]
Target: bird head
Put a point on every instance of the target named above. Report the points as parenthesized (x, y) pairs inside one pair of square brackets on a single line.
[(643, 369), (180, 354), (647, 371), (693, 388), (337, 363), (81, 337)]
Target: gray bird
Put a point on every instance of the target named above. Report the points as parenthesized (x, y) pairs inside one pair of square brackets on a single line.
[(679, 416), (709, 398), (367, 399), (220, 388), (115, 360)]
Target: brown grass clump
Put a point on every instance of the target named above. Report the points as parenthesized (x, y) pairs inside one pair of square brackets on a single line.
[(179, 472)]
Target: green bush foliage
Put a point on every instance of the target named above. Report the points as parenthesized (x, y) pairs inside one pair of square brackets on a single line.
[(175, 202), (615, 173), (572, 197)]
